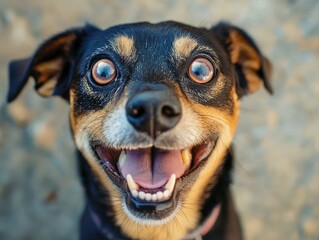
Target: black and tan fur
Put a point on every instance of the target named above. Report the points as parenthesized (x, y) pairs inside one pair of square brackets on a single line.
[(146, 56)]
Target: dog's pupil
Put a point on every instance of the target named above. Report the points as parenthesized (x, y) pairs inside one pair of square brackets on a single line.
[(105, 70), (200, 70)]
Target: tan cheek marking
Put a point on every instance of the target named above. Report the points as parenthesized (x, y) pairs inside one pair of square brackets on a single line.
[(211, 116), (219, 85), (91, 124), (73, 121), (113, 194), (227, 125), (88, 125), (124, 46), (183, 46), (103, 178)]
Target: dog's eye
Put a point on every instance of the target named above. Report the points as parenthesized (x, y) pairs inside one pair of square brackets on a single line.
[(103, 71), (201, 70)]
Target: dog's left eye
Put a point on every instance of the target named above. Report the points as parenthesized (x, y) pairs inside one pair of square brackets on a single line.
[(103, 71), (201, 70)]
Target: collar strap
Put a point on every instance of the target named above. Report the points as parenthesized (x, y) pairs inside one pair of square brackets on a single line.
[(207, 225)]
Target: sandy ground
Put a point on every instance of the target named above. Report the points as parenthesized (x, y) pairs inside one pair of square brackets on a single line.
[(277, 143)]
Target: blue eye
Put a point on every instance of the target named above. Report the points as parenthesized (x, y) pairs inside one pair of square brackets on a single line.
[(103, 71), (201, 70)]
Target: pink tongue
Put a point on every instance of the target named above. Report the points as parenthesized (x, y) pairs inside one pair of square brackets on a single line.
[(151, 174)]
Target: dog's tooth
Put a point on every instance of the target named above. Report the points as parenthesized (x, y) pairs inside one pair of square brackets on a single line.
[(148, 197), (141, 195), (171, 183), (122, 159), (154, 197), (159, 195), (166, 194), (134, 193), (130, 182), (187, 158)]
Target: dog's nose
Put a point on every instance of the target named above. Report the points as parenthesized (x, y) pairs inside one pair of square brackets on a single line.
[(153, 112)]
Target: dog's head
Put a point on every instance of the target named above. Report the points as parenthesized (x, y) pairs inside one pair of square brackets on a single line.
[(154, 109)]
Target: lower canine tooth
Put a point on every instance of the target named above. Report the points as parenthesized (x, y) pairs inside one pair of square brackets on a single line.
[(171, 183)]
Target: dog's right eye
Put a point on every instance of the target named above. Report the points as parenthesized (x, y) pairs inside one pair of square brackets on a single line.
[(103, 71), (201, 70)]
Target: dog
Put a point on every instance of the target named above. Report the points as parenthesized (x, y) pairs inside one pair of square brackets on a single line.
[(153, 111)]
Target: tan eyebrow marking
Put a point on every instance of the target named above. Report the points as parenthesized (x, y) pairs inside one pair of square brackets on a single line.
[(183, 46), (124, 46)]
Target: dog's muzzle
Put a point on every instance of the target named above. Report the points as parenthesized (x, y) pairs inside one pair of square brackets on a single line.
[(153, 178)]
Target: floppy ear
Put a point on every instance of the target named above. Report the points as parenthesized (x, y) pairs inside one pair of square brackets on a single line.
[(251, 67), (51, 65)]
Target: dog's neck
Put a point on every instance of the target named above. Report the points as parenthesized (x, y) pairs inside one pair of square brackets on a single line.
[(212, 215)]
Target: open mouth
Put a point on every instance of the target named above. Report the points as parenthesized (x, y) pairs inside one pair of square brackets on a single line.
[(152, 177)]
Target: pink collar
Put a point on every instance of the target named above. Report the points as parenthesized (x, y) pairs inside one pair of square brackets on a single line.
[(206, 226)]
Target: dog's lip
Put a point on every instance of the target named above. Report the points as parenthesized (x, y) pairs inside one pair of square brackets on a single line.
[(156, 210), (109, 159)]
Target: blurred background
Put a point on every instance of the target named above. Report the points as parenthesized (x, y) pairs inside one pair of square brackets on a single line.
[(277, 145)]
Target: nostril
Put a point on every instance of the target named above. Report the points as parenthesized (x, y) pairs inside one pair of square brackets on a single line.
[(137, 112), (168, 111)]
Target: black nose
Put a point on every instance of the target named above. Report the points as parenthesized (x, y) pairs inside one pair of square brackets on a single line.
[(153, 112)]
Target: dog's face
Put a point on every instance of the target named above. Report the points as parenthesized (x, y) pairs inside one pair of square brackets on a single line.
[(153, 110)]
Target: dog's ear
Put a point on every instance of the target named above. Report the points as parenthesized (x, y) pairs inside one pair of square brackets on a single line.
[(252, 68), (51, 65)]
